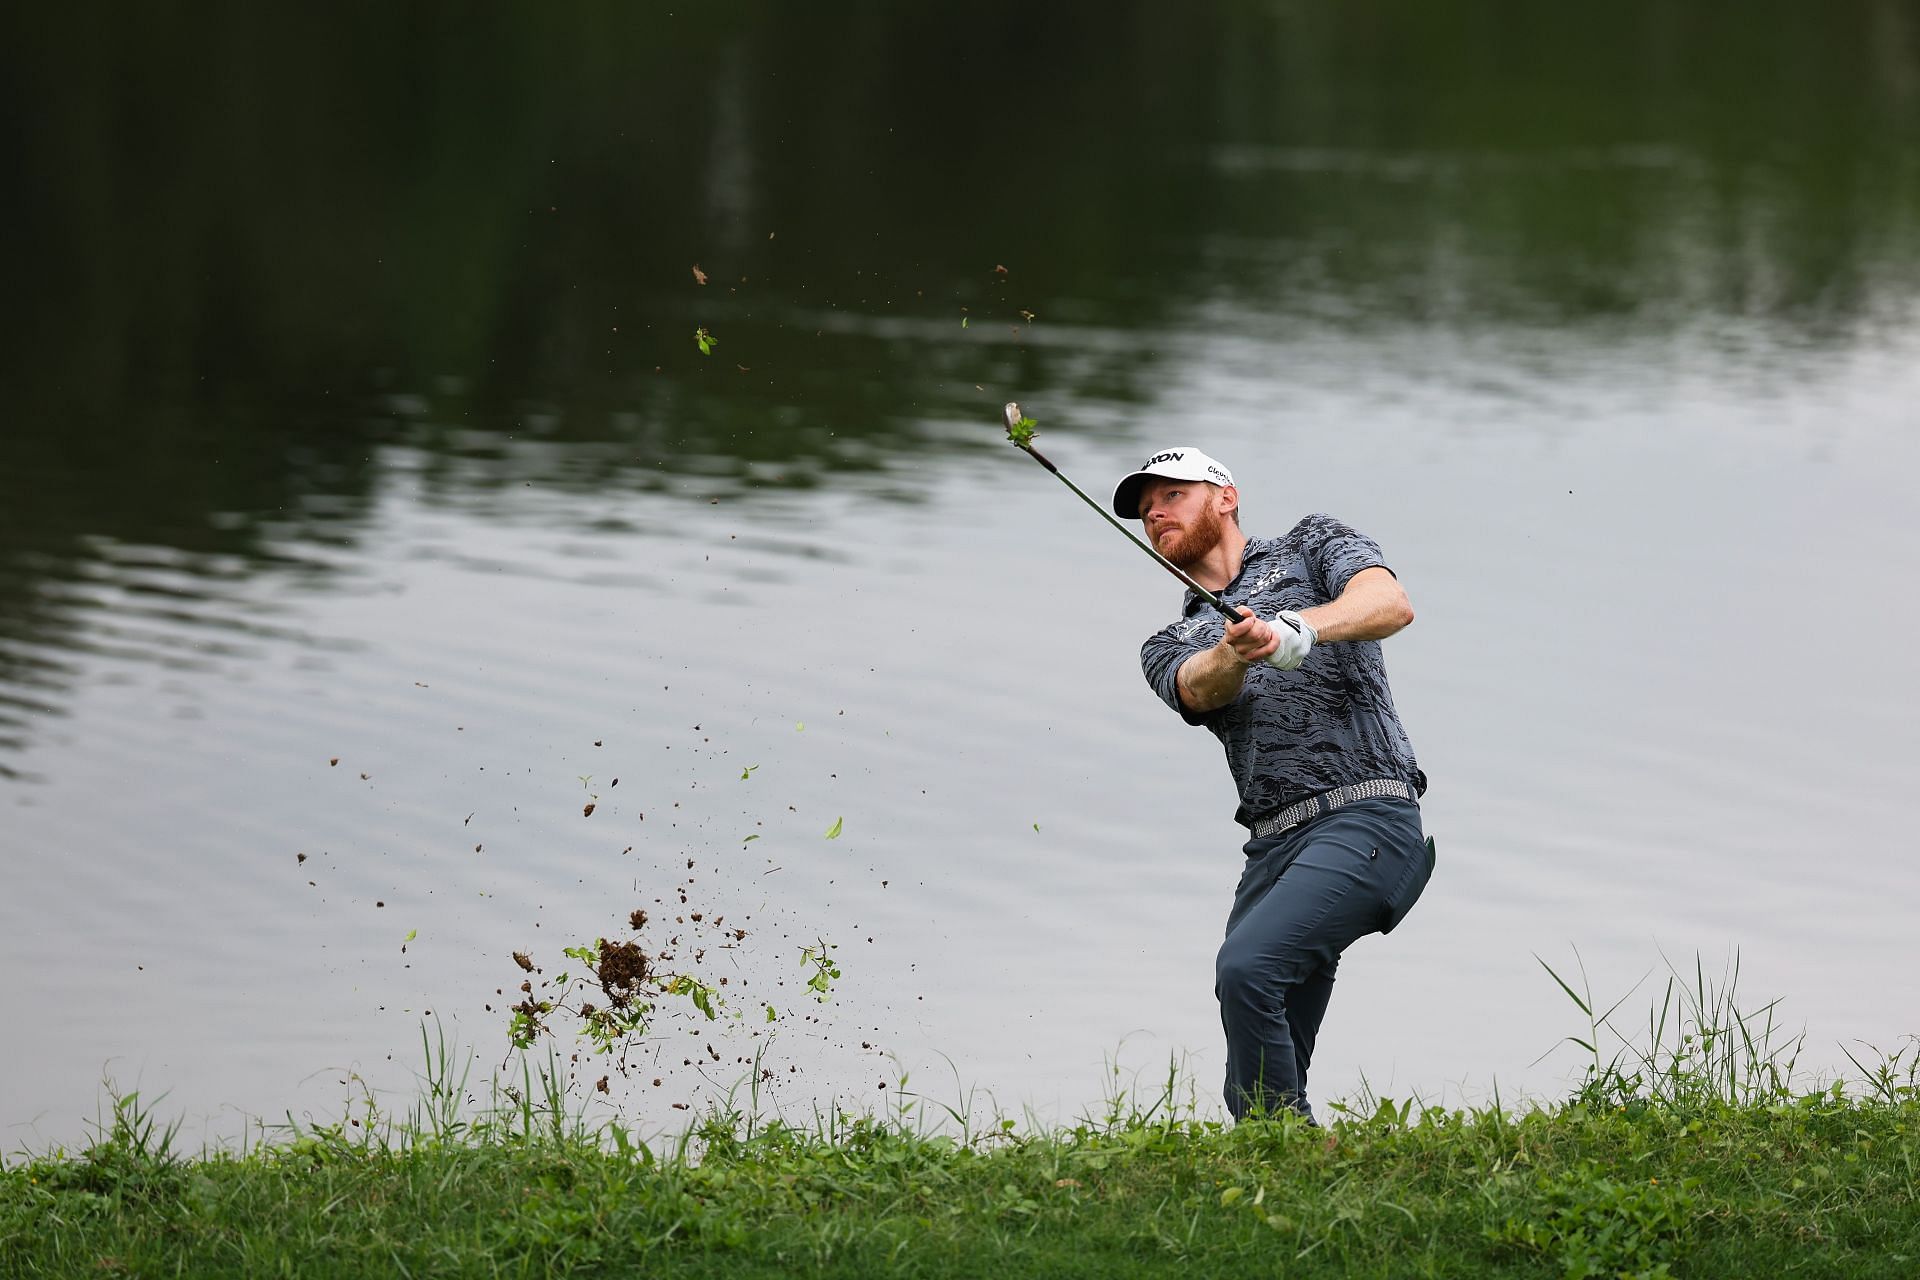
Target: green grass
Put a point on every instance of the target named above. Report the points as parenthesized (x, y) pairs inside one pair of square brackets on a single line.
[(1823, 1185), (1670, 1160)]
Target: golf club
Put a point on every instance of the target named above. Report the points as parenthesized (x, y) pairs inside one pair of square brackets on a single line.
[(1020, 431)]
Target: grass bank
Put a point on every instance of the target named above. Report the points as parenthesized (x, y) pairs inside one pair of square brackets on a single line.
[(1689, 1154), (1822, 1185)]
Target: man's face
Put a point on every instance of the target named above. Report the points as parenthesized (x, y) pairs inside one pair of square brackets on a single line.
[(1184, 518)]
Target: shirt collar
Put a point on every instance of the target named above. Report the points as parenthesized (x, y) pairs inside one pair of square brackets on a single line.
[(1256, 548)]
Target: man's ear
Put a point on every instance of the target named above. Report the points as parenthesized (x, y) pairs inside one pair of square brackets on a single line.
[(1230, 499)]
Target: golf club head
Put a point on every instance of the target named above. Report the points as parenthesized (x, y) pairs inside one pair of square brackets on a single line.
[(1019, 426)]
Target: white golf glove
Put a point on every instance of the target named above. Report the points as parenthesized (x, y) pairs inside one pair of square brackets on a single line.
[(1295, 641)]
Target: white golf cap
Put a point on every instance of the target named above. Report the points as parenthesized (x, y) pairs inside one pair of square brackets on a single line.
[(1180, 462)]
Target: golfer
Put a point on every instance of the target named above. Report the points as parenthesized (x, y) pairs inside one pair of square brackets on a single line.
[(1296, 691)]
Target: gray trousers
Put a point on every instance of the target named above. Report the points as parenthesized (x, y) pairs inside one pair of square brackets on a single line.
[(1305, 896)]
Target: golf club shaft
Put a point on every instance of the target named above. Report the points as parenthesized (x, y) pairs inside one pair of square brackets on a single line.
[(1226, 611), (1172, 568)]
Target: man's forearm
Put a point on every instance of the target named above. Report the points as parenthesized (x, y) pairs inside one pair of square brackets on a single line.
[(1372, 607), (1211, 678)]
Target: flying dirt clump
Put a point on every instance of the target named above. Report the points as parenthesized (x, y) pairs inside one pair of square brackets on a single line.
[(623, 971), (635, 980)]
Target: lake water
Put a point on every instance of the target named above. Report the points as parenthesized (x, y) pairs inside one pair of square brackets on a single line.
[(367, 509)]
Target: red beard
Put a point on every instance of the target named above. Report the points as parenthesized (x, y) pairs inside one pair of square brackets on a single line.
[(1191, 545)]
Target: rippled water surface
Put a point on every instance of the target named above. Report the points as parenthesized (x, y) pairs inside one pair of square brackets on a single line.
[(367, 510)]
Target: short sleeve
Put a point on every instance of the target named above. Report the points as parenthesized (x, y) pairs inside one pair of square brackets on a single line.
[(1335, 552), (1160, 660)]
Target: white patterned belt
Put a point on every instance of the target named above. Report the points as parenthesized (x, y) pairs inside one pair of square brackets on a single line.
[(1327, 801)]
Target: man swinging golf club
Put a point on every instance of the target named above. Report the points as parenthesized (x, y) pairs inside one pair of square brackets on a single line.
[(1296, 691)]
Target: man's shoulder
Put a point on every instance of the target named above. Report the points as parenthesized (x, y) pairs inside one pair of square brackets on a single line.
[(1317, 522), (1313, 524), (1316, 532), (1308, 531)]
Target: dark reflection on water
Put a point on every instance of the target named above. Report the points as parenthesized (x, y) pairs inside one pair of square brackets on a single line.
[(262, 254)]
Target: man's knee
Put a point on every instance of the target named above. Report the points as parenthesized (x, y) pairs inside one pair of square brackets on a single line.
[(1243, 977), (1231, 975)]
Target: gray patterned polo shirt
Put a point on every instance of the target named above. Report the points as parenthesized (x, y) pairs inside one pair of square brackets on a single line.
[(1293, 733)]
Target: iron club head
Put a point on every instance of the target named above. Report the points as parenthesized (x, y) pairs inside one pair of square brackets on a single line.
[(1019, 425)]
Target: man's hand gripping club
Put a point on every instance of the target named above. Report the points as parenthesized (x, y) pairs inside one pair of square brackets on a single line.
[(1213, 677), (1253, 640)]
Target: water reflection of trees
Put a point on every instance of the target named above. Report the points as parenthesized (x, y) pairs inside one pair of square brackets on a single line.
[(271, 208), (253, 250)]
